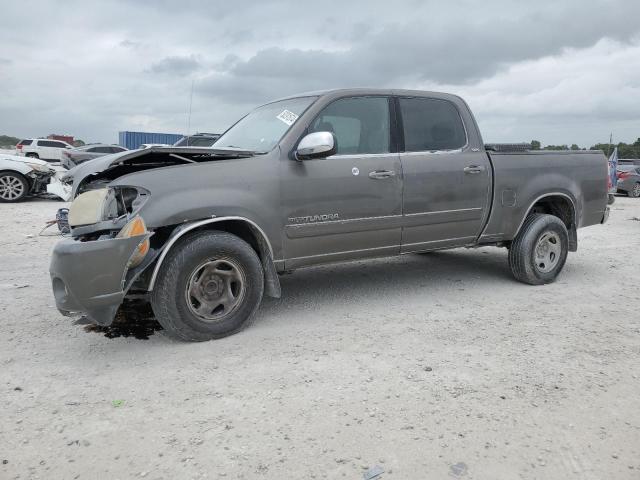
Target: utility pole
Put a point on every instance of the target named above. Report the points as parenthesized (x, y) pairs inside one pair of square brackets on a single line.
[(189, 116)]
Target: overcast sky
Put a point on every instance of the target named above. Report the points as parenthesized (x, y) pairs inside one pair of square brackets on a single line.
[(558, 71)]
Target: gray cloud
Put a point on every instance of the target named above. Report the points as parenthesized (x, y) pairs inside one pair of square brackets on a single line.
[(134, 66), (176, 65)]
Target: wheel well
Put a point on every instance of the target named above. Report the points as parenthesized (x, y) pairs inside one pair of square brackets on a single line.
[(558, 206), (250, 233), (239, 229), (561, 207)]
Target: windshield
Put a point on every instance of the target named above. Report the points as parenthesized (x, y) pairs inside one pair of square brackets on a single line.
[(262, 129)]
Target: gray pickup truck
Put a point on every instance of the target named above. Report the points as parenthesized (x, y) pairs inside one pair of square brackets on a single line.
[(314, 178)]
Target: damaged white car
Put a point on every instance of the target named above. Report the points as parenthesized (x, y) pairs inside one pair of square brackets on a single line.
[(23, 176)]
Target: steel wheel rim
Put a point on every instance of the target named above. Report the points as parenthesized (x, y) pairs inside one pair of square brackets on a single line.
[(11, 188), (215, 289), (547, 252)]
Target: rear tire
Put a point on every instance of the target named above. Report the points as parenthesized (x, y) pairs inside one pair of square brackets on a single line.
[(14, 187), (635, 191), (209, 286), (32, 155), (539, 251)]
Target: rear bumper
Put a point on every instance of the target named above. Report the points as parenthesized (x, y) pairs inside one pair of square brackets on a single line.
[(89, 277)]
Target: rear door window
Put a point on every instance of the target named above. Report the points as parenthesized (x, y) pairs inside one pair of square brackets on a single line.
[(51, 143), (431, 124)]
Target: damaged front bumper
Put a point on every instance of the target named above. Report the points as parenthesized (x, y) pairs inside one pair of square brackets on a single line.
[(90, 277)]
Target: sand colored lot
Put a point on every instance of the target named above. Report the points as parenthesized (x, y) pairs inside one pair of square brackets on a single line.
[(428, 366)]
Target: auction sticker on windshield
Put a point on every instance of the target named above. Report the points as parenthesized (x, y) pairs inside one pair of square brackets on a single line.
[(287, 117)]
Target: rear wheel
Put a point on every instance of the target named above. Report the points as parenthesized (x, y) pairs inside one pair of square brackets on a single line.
[(635, 191), (539, 251), (13, 187), (209, 286), (32, 155)]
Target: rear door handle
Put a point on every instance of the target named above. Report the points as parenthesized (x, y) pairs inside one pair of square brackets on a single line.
[(473, 169), (381, 174)]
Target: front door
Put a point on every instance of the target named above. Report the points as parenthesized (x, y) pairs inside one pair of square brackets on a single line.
[(347, 205), (446, 182)]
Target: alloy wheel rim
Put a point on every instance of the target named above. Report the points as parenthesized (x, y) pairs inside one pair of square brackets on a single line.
[(11, 188), (547, 252), (215, 289)]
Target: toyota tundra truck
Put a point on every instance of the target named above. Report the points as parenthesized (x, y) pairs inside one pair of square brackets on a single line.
[(332, 176)]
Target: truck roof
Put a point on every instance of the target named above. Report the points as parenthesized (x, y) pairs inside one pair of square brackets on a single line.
[(338, 92)]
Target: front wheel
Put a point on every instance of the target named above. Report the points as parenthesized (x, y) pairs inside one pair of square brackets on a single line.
[(13, 187), (539, 251), (209, 286)]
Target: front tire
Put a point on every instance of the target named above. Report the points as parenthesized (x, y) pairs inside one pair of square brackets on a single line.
[(209, 286), (539, 251), (13, 187)]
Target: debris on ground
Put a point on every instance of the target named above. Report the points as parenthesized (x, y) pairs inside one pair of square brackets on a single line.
[(373, 472), (458, 469)]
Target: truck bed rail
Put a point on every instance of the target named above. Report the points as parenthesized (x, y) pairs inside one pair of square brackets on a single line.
[(508, 147)]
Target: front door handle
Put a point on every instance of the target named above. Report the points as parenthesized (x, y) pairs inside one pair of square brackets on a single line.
[(474, 169), (381, 174)]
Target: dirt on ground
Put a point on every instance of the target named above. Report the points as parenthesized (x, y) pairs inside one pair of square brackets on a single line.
[(423, 366)]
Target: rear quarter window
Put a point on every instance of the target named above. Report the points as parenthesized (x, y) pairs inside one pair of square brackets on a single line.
[(25, 142)]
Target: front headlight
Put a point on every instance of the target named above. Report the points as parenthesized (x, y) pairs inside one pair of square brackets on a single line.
[(39, 168), (91, 207), (111, 204)]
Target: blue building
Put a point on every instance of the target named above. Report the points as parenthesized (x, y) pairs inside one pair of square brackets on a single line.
[(133, 140)]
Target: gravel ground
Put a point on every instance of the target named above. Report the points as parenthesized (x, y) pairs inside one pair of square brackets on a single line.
[(428, 366)]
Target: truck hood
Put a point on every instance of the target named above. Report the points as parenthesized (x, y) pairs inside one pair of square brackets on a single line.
[(110, 167)]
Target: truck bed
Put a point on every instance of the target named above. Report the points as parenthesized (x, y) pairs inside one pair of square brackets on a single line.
[(566, 173)]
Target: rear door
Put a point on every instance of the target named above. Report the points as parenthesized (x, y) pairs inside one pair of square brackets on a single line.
[(446, 182), (51, 149), (347, 205), (45, 150)]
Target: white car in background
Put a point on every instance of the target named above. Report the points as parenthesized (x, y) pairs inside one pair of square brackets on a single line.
[(42, 148), (22, 176)]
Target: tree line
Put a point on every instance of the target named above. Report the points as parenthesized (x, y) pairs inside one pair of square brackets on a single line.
[(625, 150)]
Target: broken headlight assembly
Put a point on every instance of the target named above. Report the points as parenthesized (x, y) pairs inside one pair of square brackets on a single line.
[(105, 210)]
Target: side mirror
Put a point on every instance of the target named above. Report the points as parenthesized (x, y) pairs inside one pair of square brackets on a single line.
[(316, 145)]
